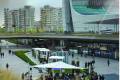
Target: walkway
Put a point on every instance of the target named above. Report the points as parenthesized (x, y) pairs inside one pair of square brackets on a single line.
[(16, 65)]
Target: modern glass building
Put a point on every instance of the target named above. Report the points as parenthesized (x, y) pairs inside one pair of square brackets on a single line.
[(79, 15)]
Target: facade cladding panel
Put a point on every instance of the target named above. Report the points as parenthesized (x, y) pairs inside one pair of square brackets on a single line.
[(83, 11)]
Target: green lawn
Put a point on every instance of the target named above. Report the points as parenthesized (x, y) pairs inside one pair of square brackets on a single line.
[(21, 54)]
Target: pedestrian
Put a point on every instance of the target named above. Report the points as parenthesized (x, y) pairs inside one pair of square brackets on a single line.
[(102, 77), (30, 77), (3, 54), (81, 53), (72, 55), (85, 64), (92, 68), (77, 64), (7, 65), (30, 69), (41, 77), (94, 61), (23, 76), (108, 62), (9, 51), (99, 77), (88, 64)]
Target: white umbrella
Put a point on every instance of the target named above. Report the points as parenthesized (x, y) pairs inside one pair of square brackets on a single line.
[(58, 64)]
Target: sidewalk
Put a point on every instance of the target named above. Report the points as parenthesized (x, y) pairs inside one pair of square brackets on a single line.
[(19, 66), (101, 67), (16, 65)]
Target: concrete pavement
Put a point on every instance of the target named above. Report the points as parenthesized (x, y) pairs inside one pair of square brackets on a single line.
[(18, 66)]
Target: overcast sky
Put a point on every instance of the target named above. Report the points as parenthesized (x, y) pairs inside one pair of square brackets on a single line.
[(15, 4)]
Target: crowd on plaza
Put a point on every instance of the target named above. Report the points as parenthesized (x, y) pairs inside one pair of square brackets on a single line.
[(2, 54), (72, 76), (75, 75)]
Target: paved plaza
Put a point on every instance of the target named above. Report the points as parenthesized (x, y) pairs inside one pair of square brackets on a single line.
[(101, 67), (16, 65), (19, 66)]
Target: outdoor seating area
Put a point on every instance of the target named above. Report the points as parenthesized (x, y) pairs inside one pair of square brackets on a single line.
[(70, 76), (65, 72)]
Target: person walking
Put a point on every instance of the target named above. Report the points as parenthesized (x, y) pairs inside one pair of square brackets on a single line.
[(7, 65), (3, 54), (9, 51), (22, 76), (102, 77), (99, 77), (86, 64), (108, 62), (30, 77), (72, 55)]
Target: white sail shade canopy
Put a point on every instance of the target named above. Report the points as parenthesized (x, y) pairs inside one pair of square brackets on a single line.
[(58, 64)]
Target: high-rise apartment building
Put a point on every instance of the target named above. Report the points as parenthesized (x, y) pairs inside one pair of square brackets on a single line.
[(51, 18), (22, 18), (6, 16)]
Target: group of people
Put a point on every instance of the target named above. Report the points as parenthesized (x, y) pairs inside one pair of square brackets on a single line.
[(95, 76), (67, 76), (101, 77), (11, 52), (77, 63), (26, 76), (91, 63), (2, 54), (57, 76)]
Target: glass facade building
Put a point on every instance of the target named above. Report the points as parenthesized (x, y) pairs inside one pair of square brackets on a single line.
[(78, 13)]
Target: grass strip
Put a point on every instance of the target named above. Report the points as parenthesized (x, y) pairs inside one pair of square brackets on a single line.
[(21, 55)]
